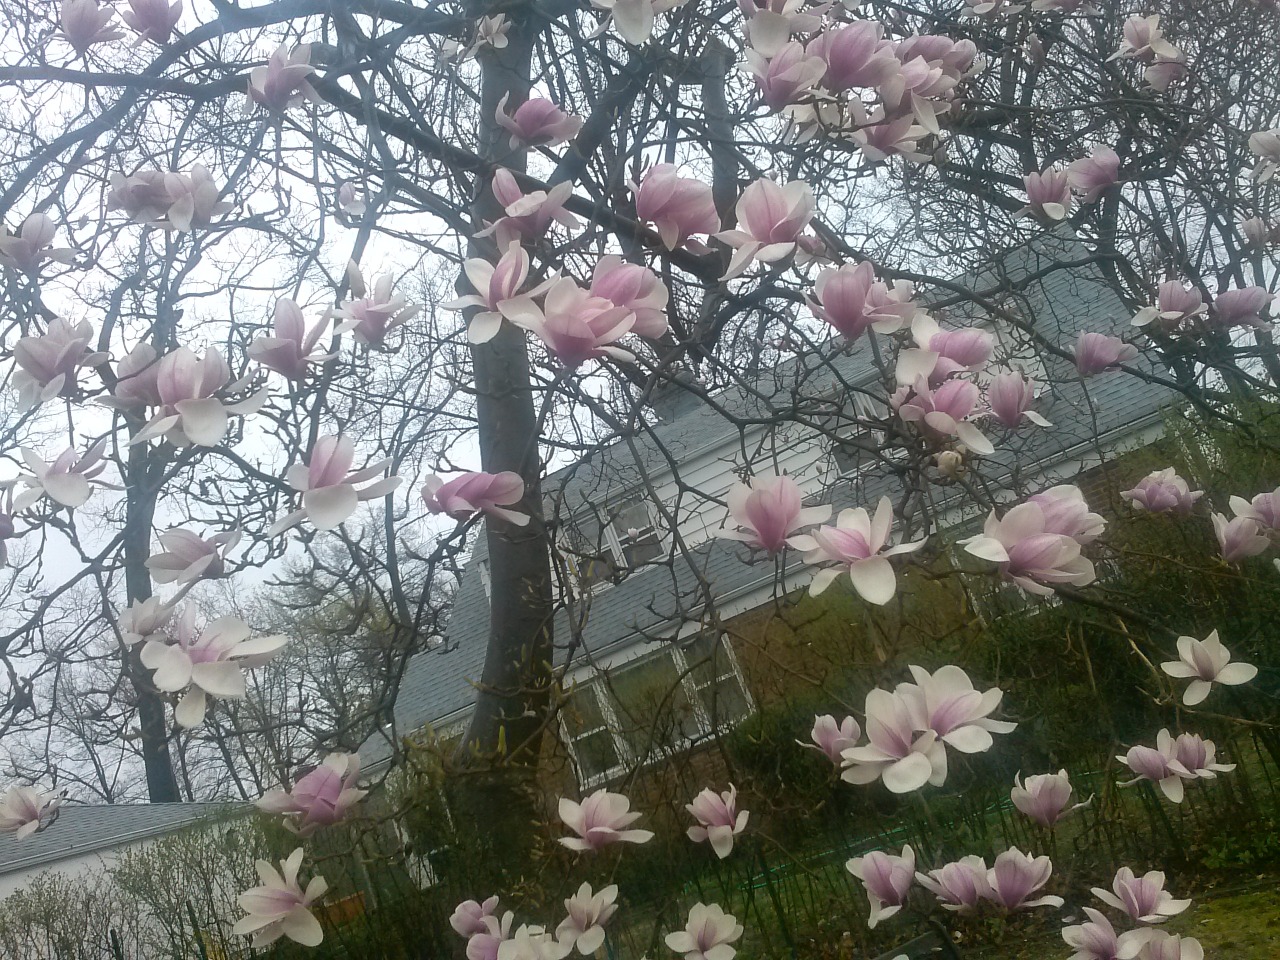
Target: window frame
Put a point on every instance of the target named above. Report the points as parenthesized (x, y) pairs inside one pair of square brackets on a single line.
[(858, 403), (612, 542), (600, 686)]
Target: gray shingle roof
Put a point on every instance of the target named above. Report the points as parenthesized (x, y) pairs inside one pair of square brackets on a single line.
[(82, 829), (438, 683)]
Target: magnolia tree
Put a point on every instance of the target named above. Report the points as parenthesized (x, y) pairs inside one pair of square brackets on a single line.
[(228, 237)]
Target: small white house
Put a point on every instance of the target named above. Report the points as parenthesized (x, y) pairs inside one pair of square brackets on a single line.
[(87, 838)]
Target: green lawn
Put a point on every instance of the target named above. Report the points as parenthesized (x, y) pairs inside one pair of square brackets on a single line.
[(1242, 923)]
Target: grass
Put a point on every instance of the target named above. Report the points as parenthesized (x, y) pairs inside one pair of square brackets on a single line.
[(1240, 923)]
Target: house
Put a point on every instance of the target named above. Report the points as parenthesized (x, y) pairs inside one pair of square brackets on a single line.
[(620, 511), (89, 838)]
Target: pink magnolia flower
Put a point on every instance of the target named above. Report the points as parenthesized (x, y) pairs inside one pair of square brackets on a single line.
[(1264, 508), (194, 399), (959, 886), (193, 200), (1048, 195), (574, 325), (786, 77), (136, 384), (532, 942), (1090, 176), (1144, 41), (599, 820), (1197, 754), (171, 201), (855, 54), (494, 284), (350, 201), (1044, 797), (145, 620), (68, 480), (1028, 553), (1167, 946), (1162, 491), (7, 529), (832, 738), (1066, 512), (1164, 71), (918, 90), (1239, 538), (768, 512), (852, 300), (537, 122), (942, 413), (904, 758), (958, 58), (47, 363), (188, 557), (527, 215), (719, 819), (678, 207), (472, 493), (1159, 765), (206, 663), (292, 350), (634, 18), (583, 928), (881, 136), (320, 798), (1143, 898), (1096, 352), (1240, 308), (490, 32), (485, 943), (26, 810), (770, 221), (1009, 398), (857, 544), (1175, 305), (992, 8), (83, 23), (946, 703), (1260, 233), (32, 245), (329, 486), (1206, 662), (468, 917), (371, 315), (143, 196), (1016, 876), (284, 82), (280, 907), (153, 19), (707, 935), (1265, 145), (1096, 939), (943, 353), (771, 23), (633, 287), (887, 880)]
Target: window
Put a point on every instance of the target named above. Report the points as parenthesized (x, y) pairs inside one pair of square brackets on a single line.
[(715, 680), (589, 733), (856, 443), (651, 707), (603, 549)]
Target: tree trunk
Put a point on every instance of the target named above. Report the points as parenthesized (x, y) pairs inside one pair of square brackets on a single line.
[(500, 751), (140, 507)]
